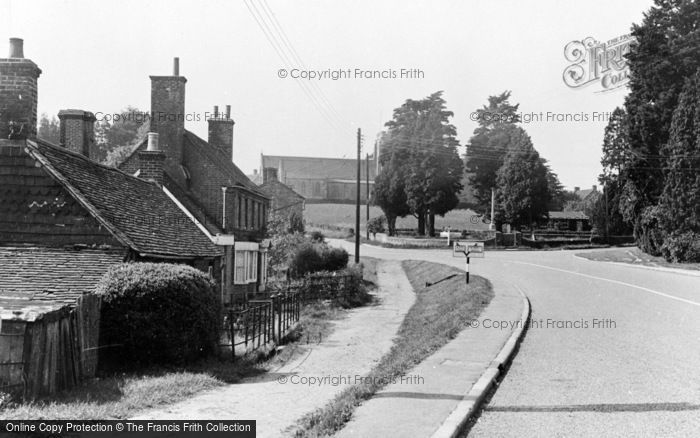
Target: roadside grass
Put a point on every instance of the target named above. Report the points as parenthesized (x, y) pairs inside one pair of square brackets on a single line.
[(438, 315), (119, 396), (123, 395), (635, 256)]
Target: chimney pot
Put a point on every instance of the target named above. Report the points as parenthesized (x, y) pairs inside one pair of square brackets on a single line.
[(16, 48), (228, 112), (176, 66), (576, 189), (153, 142), (216, 111), (595, 188)]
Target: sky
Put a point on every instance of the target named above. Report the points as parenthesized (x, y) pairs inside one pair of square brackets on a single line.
[(98, 56)]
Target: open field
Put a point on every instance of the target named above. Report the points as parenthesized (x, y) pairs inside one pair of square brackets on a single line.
[(343, 215)]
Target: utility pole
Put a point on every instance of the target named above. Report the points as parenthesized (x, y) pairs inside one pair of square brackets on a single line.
[(357, 204), (367, 185), (493, 196), (607, 214)]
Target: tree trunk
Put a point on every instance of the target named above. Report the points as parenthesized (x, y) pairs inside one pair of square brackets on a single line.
[(391, 225), (421, 223), (431, 224)]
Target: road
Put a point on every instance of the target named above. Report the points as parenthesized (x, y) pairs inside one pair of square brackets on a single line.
[(611, 350)]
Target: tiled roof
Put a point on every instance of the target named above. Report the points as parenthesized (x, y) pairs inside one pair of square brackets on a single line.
[(138, 213), (218, 158), (318, 168), (38, 280), (577, 215)]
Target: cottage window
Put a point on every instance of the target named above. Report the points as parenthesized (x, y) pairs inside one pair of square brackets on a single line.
[(246, 264)]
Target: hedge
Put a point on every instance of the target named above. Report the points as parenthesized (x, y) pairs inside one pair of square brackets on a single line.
[(157, 313)]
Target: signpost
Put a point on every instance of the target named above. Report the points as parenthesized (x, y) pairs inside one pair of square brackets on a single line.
[(470, 248)]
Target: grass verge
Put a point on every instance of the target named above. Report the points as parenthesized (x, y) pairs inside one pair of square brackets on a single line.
[(438, 315), (120, 396), (635, 256)]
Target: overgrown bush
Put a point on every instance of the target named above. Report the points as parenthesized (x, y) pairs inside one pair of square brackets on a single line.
[(376, 225), (335, 259), (314, 257), (157, 313), (681, 247), (317, 236)]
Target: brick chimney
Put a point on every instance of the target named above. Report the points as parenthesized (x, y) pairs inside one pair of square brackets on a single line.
[(168, 118), (221, 131), (77, 131), (269, 174), (18, 93), (151, 160)]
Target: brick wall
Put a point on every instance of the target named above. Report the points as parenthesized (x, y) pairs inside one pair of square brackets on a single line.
[(151, 165), (78, 131), (168, 120), (205, 185), (18, 77), (221, 135)]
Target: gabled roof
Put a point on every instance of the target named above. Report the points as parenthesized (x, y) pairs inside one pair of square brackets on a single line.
[(273, 184), (219, 159), (318, 168), (138, 213), (585, 193), (36, 280)]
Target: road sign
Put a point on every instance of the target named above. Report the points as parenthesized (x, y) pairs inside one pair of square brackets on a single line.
[(468, 248), (475, 249)]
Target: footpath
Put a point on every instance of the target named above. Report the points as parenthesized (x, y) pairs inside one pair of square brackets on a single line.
[(279, 398), (436, 397)]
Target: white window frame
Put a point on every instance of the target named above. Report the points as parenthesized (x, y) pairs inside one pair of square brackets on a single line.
[(245, 262)]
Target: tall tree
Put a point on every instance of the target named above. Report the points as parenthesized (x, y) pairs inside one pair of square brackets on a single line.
[(49, 129), (496, 134), (115, 140), (389, 189), (680, 199), (666, 52), (424, 145), (523, 187)]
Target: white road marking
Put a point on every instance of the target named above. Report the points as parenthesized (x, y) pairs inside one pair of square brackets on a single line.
[(683, 300)]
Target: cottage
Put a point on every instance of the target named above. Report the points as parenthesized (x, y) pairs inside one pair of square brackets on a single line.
[(285, 201), (202, 177), (64, 221)]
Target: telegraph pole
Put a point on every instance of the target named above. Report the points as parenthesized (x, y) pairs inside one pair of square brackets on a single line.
[(357, 204), (367, 184)]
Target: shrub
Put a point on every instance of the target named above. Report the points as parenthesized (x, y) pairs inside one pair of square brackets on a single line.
[(376, 225), (335, 259), (314, 257), (318, 236), (296, 223), (306, 259), (682, 247), (159, 313)]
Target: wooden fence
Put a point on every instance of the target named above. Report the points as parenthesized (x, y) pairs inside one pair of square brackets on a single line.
[(52, 352)]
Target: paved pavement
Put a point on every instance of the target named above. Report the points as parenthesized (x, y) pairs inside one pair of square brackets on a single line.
[(611, 350), (279, 398)]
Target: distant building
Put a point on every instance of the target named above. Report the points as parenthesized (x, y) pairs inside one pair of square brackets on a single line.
[(284, 200), (586, 195), (321, 179), (568, 221)]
